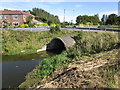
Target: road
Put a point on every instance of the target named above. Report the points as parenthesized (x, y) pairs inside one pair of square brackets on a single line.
[(91, 29), (71, 29)]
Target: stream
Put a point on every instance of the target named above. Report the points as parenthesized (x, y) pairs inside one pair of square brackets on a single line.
[(16, 67)]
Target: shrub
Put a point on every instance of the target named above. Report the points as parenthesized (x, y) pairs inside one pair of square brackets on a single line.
[(11, 27), (31, 24), (48, 65), (55, 29), (44, 24), (24, 26), (52, 29)]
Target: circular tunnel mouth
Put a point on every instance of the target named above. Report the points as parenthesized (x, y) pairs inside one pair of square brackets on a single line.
[(56, 46)]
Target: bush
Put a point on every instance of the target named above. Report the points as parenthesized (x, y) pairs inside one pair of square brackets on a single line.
[(52, 29), (48, 65), (55, 29), (44, 24), (11, 27), (24, 26), (31, 24)]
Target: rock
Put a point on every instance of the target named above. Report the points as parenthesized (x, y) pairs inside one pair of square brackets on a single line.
[(23, 51), (43, 49), (17, 66)]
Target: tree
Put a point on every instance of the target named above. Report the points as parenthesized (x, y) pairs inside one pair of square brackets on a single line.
[(49, 23), (5, 24), (29, 18), (112, 19), (118, 20), (88, 19), (44, 16)]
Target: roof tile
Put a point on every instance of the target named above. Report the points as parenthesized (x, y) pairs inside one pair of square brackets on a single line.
[(13, 12)]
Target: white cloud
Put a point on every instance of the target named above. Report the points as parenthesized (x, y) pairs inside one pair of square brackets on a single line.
[(78, 6)]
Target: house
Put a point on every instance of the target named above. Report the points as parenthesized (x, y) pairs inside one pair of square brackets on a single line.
[(14, 17)]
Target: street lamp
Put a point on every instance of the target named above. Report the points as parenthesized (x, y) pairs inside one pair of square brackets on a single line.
[(73, 16)]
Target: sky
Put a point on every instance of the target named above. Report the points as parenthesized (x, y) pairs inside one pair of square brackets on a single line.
[(72, 9)]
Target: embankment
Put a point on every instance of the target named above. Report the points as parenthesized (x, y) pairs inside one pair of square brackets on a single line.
[(87, 44), (26, 42)]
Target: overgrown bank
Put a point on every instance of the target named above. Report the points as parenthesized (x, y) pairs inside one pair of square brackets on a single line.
[(86, 43), (95, 71), (25, 42)]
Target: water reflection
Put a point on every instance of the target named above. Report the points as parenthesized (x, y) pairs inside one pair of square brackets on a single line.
[(27, 57), (15, 67)]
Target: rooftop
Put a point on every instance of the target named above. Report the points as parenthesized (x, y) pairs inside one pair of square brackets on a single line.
[(13, 12)]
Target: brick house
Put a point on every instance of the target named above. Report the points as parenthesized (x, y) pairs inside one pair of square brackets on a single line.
[(14, 17)]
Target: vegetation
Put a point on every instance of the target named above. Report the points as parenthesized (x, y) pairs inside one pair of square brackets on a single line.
[(86, 72), (86, 43), (42, 15), (25, 42), (88, 20), (24, 26), (90, 42), (111, 75), (112, 19), (55, 29)]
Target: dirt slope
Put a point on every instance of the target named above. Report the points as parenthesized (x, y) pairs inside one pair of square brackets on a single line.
[(95, 71)]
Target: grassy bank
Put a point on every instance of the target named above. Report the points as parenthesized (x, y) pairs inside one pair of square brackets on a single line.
[(25, 42), (86, 72), (86, 43)]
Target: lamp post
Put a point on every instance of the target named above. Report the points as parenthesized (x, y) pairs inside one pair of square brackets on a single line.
[(64, 19), (73, 19), (73, 16)]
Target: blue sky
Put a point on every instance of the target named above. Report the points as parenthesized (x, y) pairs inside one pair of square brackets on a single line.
[(73, 9)]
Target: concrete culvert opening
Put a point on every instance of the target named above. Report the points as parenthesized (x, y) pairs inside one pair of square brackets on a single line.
[(57, 45)]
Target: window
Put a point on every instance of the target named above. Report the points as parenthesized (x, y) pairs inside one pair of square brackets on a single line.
[(1, 17), (15, 23), (15, 17), (5, 17)]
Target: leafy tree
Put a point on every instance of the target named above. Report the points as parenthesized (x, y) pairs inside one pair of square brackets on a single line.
[(42, 15), (49, 23), (112, 19), (5, 24), (85, 19), (103, 20), (118, 20), (29, 18)]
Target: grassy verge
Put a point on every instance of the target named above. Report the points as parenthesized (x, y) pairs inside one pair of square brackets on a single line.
[(86, 43), (26, 42)]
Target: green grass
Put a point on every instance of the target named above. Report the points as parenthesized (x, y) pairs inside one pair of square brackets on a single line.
[(111, 76), (94, 42)]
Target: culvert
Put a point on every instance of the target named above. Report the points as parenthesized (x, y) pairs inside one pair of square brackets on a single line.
[(60, 43)]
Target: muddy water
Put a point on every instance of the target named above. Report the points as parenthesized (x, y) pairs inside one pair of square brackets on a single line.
[(16, 67)]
